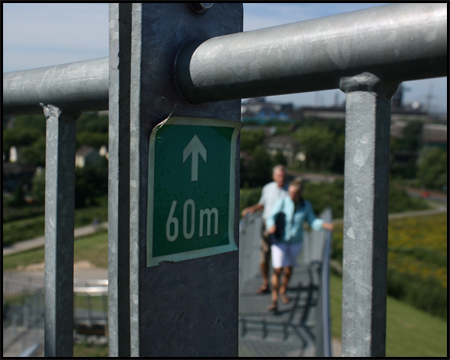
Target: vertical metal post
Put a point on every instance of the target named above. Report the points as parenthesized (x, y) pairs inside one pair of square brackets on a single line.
[(88, 305), (59, 231), (365, 214), (186, 308), (14, 324), (119, 180), (26, 314), (26, 324)]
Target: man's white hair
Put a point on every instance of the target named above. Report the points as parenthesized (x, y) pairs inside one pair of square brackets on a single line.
[(278, 167)]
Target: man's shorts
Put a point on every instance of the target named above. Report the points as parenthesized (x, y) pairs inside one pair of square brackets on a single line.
[(284, 255)]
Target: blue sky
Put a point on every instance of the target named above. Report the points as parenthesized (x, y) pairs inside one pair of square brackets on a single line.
[(44, 34)]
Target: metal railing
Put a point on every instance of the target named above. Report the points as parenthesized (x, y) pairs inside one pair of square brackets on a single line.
[(365, 53), (23, 320), (323, 325), (23, 314), (93, 309), (397, 42), (23, 311)]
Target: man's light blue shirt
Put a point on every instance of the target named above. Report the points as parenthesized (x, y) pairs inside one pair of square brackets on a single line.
[(293, 232)]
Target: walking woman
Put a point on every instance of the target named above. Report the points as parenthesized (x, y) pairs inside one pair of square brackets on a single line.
[(286, 248)]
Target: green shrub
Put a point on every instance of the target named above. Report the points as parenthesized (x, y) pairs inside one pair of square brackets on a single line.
[(325, 195), (426, 294), (249, 197), (18, 230), (400, 201), (24, 212)]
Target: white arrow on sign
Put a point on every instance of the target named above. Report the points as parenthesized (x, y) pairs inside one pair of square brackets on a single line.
[(196, 148)]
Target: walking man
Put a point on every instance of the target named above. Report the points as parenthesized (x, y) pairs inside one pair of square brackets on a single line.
[(271, 193)]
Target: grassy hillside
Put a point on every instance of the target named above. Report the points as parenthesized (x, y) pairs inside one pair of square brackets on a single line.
[(93, 248), (29, 228), (410, 332), (417, 261)]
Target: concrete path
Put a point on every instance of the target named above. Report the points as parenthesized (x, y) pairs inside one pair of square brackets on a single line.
[(40, 241)]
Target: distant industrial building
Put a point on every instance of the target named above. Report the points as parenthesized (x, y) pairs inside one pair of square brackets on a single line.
[(258, 110)]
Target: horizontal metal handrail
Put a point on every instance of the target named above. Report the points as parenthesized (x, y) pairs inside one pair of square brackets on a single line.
[(396, 42), (91, 282), (79, 86), (99, 290), (399, 42)]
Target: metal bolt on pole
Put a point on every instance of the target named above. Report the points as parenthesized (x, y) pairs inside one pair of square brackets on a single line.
[(200, 8), (368, 111)]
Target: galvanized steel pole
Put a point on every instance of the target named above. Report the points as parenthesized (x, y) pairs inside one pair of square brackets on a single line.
[(399, 42), (59, 225), (368, 115), (185, 308), (119, 180)]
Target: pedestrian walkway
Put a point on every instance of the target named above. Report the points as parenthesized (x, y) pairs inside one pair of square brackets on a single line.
[(287, 332), (292, 330)]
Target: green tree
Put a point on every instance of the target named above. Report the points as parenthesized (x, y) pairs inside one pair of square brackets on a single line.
[(251, 139), (94, 139), (337, 158), (317, 143), (432, 168), (257, 169), (91, 182), (406, 147), (35, 153), (19, 137), (38, 187), (36, 122), (410, 140), (18, 198), (279, 158), (92, 122)]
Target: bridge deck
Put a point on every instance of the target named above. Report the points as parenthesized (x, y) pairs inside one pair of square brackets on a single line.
[(287, 332)]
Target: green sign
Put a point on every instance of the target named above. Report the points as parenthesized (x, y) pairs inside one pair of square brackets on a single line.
[(191, 189)]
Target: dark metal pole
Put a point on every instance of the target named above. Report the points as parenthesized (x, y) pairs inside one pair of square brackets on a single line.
[(186, 308), (119, 180)]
